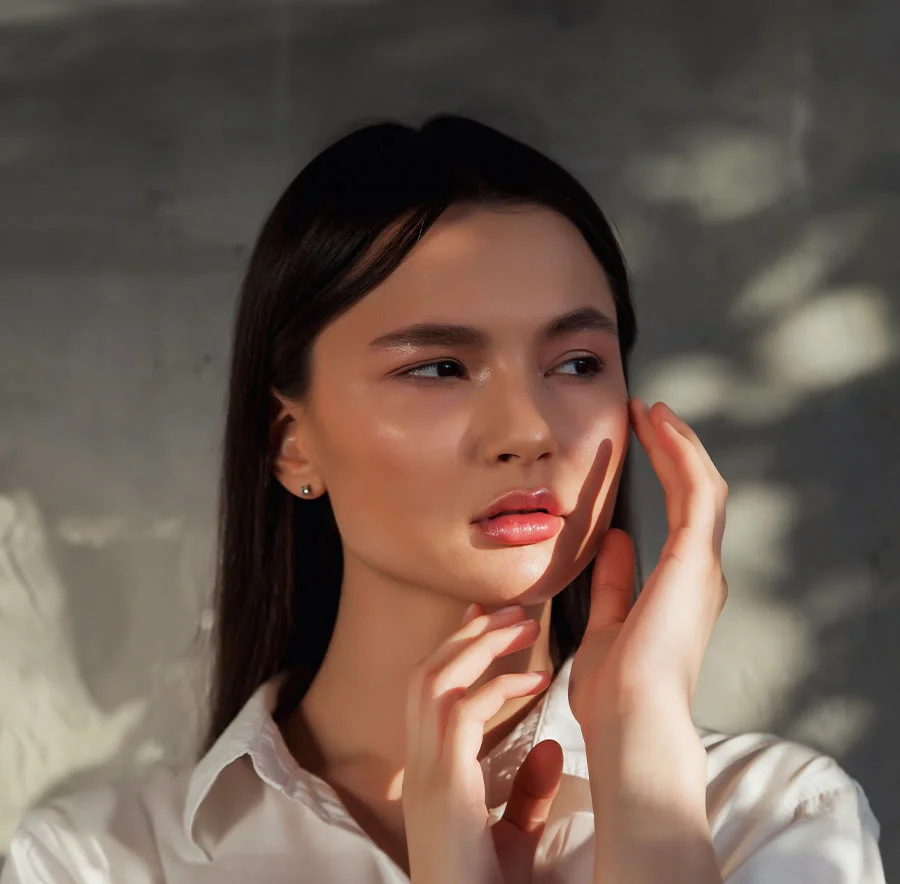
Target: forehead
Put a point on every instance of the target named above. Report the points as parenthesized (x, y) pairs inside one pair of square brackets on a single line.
[(486, 266)]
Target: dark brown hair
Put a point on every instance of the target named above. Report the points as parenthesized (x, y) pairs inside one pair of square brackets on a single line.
[(341, 227)]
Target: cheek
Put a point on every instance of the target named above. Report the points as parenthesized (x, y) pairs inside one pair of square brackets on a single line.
[(603, 446), (381, 460), (392, 441), (617, 432), (617, 424)]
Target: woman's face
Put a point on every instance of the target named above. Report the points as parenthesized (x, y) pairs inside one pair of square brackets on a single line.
[(413, 440)]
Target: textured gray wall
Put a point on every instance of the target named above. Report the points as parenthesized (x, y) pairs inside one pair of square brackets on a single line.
[(749, 156)]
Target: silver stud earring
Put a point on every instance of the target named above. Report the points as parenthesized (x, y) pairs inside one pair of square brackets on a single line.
[(306, 490)]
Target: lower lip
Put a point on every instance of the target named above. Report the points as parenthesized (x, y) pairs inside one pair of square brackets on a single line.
[(519, 529)]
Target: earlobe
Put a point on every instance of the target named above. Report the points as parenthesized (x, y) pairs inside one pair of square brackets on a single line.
[(292, 466), (294, 477), (293, 470)]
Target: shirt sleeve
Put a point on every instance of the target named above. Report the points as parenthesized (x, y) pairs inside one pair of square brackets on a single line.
[(38, 854), (831, 837)]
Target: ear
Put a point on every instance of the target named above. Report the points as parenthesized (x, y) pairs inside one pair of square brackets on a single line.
[(292, 465)]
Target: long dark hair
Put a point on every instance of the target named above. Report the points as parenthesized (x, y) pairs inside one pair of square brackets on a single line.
[(341, 227)]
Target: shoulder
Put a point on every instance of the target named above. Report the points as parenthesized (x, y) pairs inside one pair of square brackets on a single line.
[(99, 834), (773, 802), (793, 777)]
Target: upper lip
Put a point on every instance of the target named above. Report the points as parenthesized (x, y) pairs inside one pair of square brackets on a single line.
[(521, 499)]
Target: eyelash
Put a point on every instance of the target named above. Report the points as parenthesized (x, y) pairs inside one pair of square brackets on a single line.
[(598, 363)]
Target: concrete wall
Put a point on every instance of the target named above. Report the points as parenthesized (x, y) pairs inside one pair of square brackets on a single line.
[(747, 152)]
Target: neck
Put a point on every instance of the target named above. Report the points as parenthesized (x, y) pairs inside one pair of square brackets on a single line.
[(352, 719)]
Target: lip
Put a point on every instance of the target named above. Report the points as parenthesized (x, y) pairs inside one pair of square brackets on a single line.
[(519, 530), (524, 501)]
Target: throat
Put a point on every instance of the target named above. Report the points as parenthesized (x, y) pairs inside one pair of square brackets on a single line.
[(382, 821)]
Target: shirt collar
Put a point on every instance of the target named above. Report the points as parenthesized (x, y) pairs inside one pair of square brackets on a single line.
[(254, 733), (249, 733)]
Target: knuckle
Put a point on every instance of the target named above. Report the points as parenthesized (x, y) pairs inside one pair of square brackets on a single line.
[(454, 714), (457, 713), (439, 686), (700, 484), (430, 681), (427, 676)]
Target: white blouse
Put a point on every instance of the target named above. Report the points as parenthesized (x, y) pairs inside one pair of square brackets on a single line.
[(779, 813)]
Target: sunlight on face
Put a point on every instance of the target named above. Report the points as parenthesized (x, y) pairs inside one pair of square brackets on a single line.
[(414, 440)]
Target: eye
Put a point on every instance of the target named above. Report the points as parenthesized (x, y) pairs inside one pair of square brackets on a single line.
[(594, 364), (441, 363), (591, 366)]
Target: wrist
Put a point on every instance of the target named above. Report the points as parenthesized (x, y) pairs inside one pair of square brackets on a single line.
[(648, 760), (648, 781)]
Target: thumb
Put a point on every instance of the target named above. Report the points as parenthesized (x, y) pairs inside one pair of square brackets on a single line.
[(517, 833), (612, 585)]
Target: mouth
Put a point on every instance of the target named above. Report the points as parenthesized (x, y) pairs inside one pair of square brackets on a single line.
[(520, 527), (522, 502), (514, 513)]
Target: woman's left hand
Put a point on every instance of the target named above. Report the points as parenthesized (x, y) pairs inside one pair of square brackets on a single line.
[(643, 660), (449, 836)]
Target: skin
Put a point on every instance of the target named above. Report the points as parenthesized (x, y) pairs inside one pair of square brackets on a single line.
[(409, 461), (631, 689)]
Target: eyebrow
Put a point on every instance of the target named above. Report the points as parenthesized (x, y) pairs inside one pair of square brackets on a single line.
[(425, 334)]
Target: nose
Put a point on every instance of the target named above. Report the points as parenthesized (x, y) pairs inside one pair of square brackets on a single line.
[(515, 421)]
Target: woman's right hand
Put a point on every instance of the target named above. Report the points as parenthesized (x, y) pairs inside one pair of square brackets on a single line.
[(449, 839)]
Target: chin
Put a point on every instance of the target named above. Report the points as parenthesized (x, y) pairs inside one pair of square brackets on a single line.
[(518, 586)]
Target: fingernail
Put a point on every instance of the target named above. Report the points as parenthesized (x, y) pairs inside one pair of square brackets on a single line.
[(468, 613), (500, 612), (539, 680)]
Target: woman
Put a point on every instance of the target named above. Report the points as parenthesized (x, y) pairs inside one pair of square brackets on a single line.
[(428, 663)]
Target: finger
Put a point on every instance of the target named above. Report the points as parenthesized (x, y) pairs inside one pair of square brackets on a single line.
[(517, 833), (468, 716), (474, 623), (700, 499), (694, 489), (535, 786), (719, 487), (477, 623), (612, 584), (448, 681), (666, 471), (474, 610), (687, 431)]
